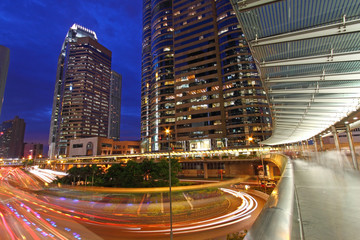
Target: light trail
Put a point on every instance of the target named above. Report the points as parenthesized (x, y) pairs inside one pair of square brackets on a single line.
[(46, 175), (243, 212), (54, 215)]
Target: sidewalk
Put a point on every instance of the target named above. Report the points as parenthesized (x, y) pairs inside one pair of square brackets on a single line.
[(329, 201)]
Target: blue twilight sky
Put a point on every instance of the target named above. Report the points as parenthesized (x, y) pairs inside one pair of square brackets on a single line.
[(34, 30)]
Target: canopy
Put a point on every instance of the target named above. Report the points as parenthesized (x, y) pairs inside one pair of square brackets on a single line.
[(308, 56)]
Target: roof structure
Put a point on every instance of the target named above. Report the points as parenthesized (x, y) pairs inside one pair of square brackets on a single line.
[(308, 56)]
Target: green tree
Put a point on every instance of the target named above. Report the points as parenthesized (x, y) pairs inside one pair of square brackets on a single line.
[(148, 168), (114, 175), (161, 172), (132, 175), (236, 236), (97, 174), (74, 174)]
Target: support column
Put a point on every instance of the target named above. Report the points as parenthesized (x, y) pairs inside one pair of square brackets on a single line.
[(302, 146), (206, 176), (315, 144), (321, 143), (336, 138), (227, 169), (351, 146)]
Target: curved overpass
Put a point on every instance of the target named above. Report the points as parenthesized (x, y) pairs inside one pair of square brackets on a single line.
[(307, 54)]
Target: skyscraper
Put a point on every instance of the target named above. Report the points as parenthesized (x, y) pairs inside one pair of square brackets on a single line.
[(4, 66), (115, 106), (33, 150), (198, 78), (82, 90), (12, 138)]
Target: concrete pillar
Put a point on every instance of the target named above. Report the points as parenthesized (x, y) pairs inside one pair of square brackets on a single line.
[(351, 146), (336, 138), (227, 169), (206, 176), (302, 146), (271, 171), (315, 144), (321, 143)]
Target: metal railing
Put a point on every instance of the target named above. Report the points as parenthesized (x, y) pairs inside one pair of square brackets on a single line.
[(280, 217)]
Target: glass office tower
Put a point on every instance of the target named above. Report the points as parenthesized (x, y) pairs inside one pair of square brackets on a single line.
[(199, 79), (4, 67), (12, 138), (115, 106), (82, 91)]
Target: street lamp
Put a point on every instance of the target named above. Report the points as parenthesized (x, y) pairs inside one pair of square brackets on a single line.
[(167, 132), (262, 163)]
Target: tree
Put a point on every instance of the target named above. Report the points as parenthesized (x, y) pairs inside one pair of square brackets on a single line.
[(96, 174), (114, 175), (236, 236), (145, 174), (161, 172), (132, 175)]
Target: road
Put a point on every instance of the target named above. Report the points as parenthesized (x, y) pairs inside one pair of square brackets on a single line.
[(29, 212)]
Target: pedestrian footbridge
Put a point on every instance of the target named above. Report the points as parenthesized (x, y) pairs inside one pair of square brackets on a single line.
[(308, 56)]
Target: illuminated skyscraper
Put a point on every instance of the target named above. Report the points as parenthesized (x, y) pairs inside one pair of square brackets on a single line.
[(115, 106), (12, 138), (82, 90), (198, 78), (4, 66)]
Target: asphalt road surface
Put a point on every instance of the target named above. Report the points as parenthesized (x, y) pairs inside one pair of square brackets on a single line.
[(27, 213)]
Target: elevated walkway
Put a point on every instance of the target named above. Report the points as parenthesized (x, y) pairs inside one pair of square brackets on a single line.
[(316, 198), (328, 199)]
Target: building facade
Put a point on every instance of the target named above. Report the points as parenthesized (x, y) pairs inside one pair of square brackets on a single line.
[(96, 146), (33, 151), (115, 106), (12, 138), (198, 79), (82, 90), (4, 66)]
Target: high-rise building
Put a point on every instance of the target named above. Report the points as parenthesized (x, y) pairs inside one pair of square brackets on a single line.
[(115, 106), (82, 90), (198, 79), (4, 66), (33, 150), (12, 138)]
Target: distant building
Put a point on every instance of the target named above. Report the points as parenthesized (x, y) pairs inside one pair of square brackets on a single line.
[(4, 66), (82, 91), (95, 146), (33, 150), (115, 106), (12, 138)]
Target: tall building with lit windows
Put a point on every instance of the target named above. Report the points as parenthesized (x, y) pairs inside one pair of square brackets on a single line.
[(12, 138), (198, 79), (115, 106), (4, 67), (82, 90)]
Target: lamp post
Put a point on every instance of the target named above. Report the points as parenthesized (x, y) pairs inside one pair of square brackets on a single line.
[(262, 163), (167, 131)]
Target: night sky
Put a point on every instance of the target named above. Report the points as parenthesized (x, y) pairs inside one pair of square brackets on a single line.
[(34, 32)]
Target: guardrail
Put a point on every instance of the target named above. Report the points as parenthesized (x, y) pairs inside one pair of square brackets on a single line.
[(279, 218)]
